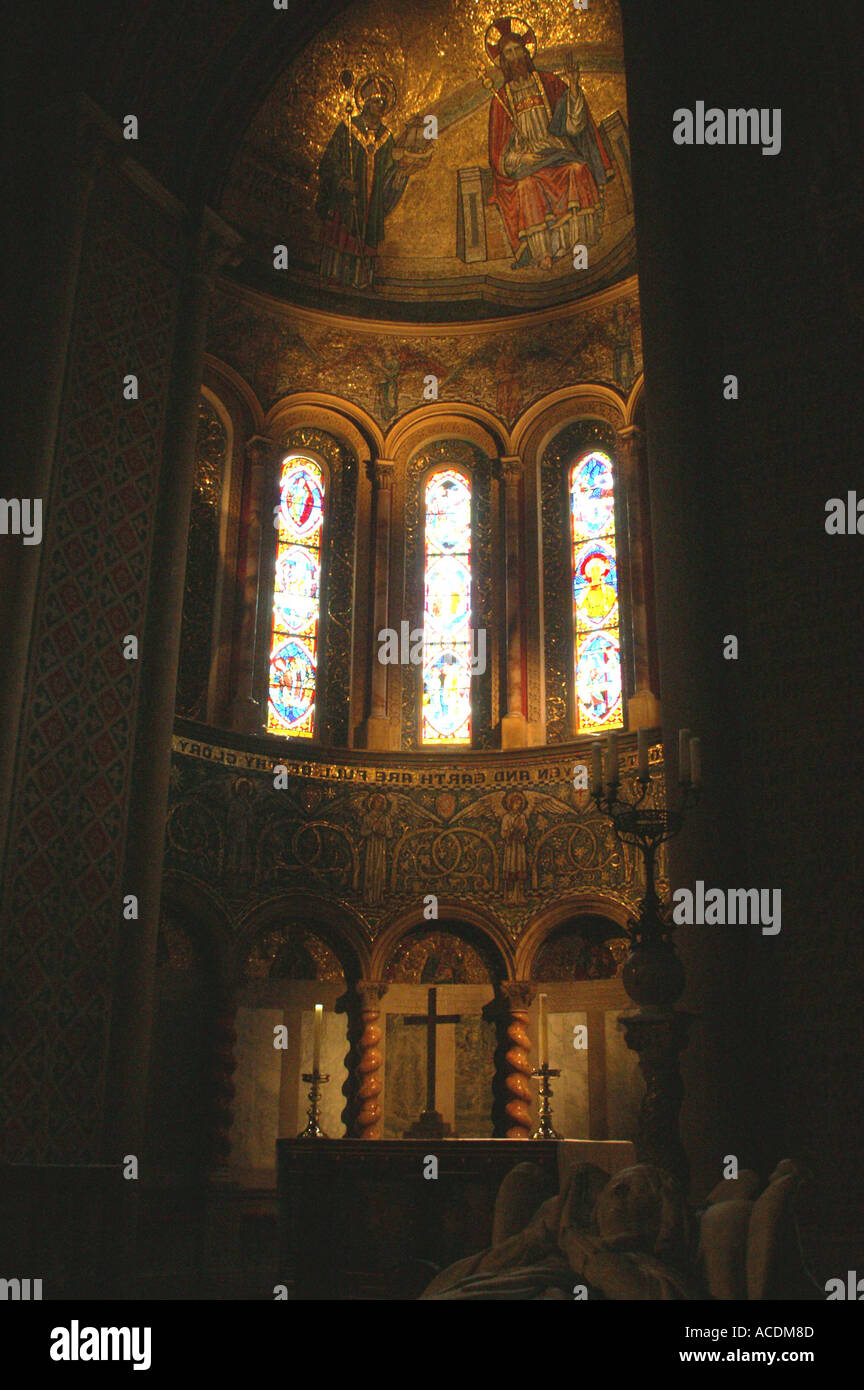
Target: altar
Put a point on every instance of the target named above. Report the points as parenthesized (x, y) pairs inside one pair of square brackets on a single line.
[(362, 1219)]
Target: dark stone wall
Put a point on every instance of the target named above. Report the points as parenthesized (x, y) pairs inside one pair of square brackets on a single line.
[(748, 265)]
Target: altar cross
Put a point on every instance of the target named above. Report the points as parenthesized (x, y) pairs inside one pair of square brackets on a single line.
[(432, 1020)]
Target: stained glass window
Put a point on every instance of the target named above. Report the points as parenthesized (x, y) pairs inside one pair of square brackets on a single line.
[(596, 620), (294, 638), (447, 610)]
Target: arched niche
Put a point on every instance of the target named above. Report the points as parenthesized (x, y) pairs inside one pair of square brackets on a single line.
[(573, 955), (585, 947), (298, 951), (453, 967), (447, 952)]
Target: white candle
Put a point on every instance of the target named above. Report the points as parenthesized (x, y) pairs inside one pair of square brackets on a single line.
[(543, 1031), (316, 1037), (642, 750), (696, 761), (596, 766), (612, 760), (684, 755)]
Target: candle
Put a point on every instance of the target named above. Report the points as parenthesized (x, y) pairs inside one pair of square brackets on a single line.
[(684, 755), (612, 760), (696, 761), (642, 749), (543, 1033), (596, 767), (316, 1037)]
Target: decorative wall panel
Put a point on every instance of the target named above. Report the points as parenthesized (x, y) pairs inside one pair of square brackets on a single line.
[(370, 841), (67, 823)]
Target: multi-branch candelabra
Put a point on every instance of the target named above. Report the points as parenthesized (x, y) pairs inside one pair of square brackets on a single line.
[(653, 976)]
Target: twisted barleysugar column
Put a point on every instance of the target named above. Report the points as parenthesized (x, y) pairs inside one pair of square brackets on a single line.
[(366, 1120), (518, 995)]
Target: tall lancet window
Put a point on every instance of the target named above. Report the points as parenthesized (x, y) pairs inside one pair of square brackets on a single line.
[(296, 598), (447, 610), (596, 616)]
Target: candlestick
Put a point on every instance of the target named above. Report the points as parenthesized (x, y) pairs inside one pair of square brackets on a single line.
[(544, 1128), (596, 767), (696, 761), (543, 1033), (316, 1036), (642, 753), (684, 755), (314, 1080)]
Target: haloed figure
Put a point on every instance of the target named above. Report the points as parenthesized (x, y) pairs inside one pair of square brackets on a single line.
[(549, 159), (362, 176)]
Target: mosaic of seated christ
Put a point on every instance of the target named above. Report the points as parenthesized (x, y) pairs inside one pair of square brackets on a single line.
[(441, 154)]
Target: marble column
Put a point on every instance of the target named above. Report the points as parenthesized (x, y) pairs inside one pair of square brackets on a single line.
[(514, 725), (248, 712), (126, 1083), (377, 732), (643, 707), (517, 995), (368, 1117)]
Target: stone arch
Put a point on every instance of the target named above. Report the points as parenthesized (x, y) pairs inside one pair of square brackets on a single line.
[(453, 913), (337, 925), (592, 904), (445, 420), (349, 423), (546, 418), (208, 920)]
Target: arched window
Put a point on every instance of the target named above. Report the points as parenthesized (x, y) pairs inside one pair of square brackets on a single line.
[(296, 599), (596, 615), (447, 609)]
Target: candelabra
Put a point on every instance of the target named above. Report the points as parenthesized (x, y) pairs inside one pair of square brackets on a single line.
[(314, 1079), (653, 975), (544, 1128)]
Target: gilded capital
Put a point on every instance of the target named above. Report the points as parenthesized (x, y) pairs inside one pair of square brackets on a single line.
[(383, 471), (519, 994), (511, 470), (370, 993)]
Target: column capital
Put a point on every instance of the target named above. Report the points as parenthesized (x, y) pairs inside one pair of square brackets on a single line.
[(519, 994), (383, 472), (629, 444), (512, 469), (370, 993)]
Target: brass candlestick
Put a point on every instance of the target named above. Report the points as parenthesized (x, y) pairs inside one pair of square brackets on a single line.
[(314, 1080), (544, 1128)]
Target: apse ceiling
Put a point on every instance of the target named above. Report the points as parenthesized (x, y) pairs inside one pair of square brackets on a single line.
[(397, 225)]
